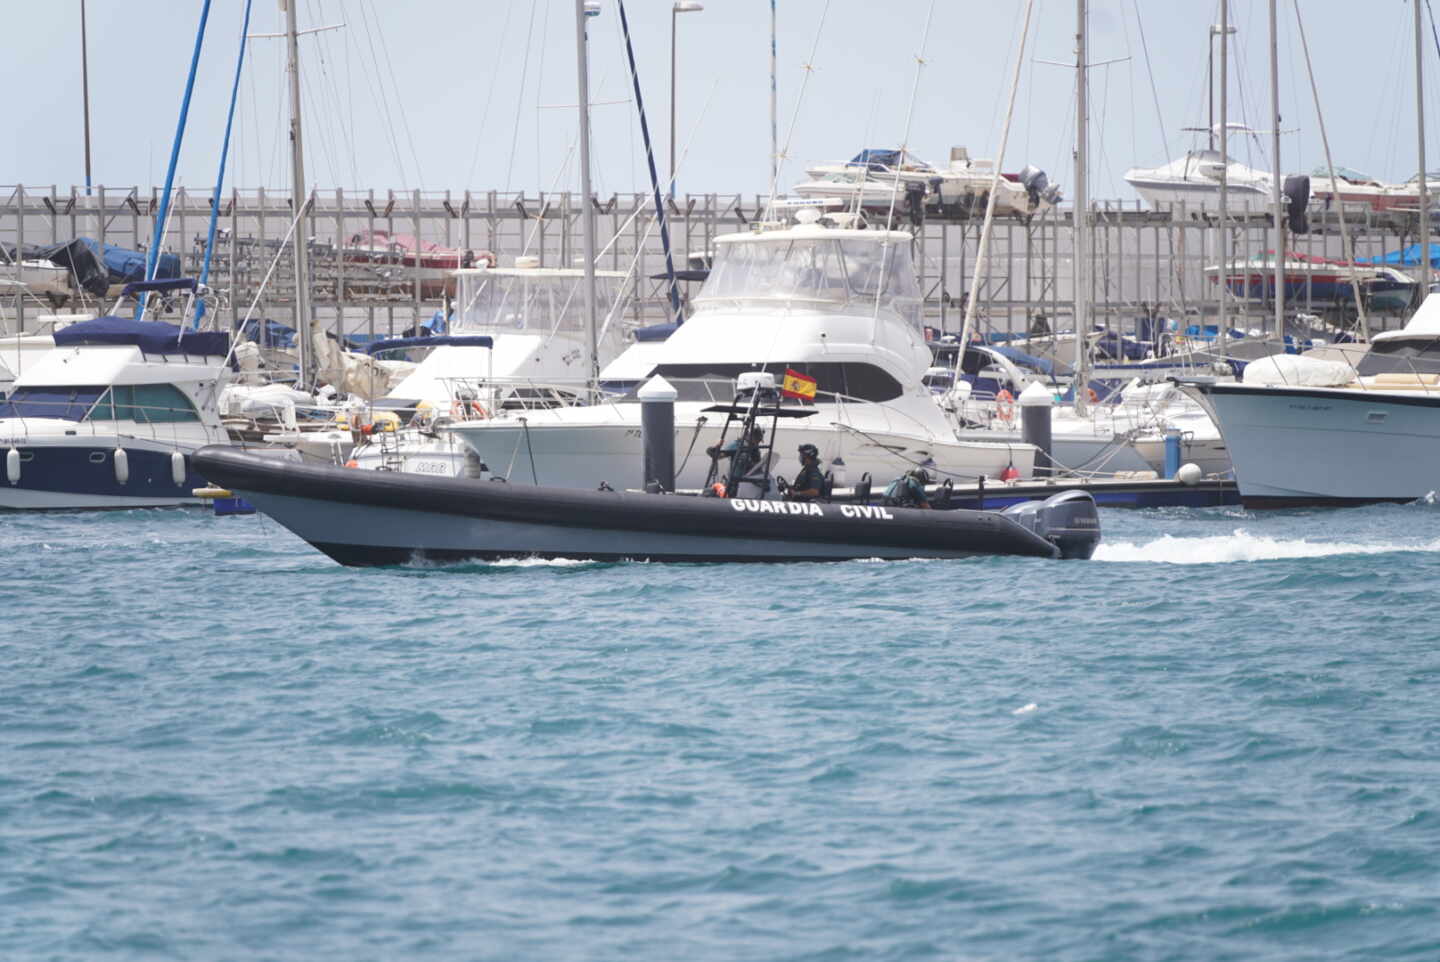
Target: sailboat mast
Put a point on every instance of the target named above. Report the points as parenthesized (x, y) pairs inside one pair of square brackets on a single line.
[(1224, 244), (1275, 179), (774, 125), (1420, 129), (299, 197), (85, 85), (586, 201), (1080, 223)]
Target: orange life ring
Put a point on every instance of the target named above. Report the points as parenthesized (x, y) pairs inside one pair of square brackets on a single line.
[(478, 409), (1094, 398), (1005, 404)]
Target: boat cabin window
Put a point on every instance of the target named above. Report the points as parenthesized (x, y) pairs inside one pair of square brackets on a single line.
[(144, 403), (61, 402), (865, 382), (817, 272), (540, 303), (1419, 355)]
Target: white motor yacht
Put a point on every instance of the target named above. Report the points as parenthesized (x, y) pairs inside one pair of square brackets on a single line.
[(838, 306), (1304, 431), (521, 339), (1194, 180), (109, 417)]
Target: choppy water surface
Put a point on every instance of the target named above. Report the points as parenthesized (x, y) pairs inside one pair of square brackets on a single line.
[(1217, 741)]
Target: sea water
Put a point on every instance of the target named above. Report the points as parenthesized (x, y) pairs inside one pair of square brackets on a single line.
[(1218, 740)]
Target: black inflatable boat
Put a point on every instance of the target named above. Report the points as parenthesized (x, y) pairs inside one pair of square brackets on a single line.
[(385, 518)]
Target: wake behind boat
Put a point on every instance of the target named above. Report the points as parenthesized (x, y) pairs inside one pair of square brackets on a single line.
[(387, 518)]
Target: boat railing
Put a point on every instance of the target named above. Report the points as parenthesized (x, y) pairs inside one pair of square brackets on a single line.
[(894, 419), (480, 398)]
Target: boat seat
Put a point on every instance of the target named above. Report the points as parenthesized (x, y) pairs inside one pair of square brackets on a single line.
[(1405, 379)]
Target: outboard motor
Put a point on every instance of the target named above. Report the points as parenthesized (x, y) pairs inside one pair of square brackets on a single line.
[(1297, 198), (1067, 520), (1035, 182)]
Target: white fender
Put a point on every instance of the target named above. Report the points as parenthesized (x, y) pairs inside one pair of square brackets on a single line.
[(12, 466), (122, 465), (177, 468)]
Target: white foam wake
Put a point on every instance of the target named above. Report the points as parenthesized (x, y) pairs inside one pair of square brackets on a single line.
[(1243, 546), (537, 562)]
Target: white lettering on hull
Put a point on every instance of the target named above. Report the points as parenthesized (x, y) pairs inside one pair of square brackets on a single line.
[(806, 508), (872, 512)]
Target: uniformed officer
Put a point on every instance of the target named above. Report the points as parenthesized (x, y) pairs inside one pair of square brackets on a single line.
[(810, 482), (908, 491), (745, 450)]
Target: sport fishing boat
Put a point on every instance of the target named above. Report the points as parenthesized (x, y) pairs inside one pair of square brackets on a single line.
[(110, 417), (838, 309), (389, 518), (1194, 180), (1302, 431)]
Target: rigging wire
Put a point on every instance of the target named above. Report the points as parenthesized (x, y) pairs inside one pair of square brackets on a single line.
[(808, 67), (489, 96), (399, 101), (520, 100), (1154, 92), (377, 91)]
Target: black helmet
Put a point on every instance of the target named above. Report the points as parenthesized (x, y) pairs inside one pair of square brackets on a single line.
[(809, 451), (920, 474), (756, 433)]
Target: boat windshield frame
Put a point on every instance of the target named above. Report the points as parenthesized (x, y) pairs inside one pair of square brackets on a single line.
[(544, 302), (815, 272)]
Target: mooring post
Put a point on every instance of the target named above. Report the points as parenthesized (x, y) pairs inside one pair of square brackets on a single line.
[(657, 431)]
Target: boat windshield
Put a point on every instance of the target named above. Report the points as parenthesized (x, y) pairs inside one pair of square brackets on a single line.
[(1345, 173), (61, 403), (1410, 355), (821, 273), (540, 303)]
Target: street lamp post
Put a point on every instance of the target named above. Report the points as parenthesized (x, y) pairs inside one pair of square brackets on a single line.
[(680, 6)]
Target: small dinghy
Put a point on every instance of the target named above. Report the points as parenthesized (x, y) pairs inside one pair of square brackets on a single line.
[(390, 518)]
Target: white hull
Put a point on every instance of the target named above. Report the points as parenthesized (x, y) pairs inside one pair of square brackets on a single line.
[(581, 455), (1329, 446), (1203, 196)]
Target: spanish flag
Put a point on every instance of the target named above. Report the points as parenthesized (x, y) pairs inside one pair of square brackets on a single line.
[(798, 385)]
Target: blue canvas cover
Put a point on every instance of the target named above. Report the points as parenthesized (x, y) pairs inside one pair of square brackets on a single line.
[(152, 337), (453, 340), (1043, 365), (1404, 257), (268, 333), (876, 159), (125, 266), (655, 332)]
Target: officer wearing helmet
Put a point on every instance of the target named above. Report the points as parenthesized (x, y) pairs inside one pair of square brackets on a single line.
[(908, 490), (810, 482), (744, 450)]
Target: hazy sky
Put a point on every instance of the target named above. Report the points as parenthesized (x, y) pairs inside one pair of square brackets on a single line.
[(473, 93)]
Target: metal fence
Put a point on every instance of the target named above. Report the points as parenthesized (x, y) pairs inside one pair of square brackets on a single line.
[(1145, 260)]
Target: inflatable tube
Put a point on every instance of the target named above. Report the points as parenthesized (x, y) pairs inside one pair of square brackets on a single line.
[(376, 517)]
